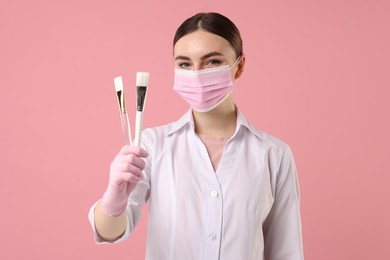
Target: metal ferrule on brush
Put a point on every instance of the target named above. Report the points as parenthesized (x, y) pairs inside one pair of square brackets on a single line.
[(141, 84), (121, 101)]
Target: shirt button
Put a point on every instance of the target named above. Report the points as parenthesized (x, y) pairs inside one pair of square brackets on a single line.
[(214, 194), (212, 236)]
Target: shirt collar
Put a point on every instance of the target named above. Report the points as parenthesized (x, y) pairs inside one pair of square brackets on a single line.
[(188, 120), (242, 122)]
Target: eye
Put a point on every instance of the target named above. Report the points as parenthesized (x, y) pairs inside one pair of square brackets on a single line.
[(183, 65), (213, 62)]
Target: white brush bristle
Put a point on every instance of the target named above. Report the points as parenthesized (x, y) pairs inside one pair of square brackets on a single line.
[(118, 83), (142, 79)]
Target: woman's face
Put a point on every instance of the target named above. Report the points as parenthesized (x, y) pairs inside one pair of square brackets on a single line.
[(202, 50)]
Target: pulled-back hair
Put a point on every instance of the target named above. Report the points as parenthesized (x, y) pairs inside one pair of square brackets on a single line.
[(214, 23)]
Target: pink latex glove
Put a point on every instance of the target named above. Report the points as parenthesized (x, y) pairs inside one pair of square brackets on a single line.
[(125, 173)]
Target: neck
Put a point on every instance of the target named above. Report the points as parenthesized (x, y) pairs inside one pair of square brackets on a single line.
[(219, 122)]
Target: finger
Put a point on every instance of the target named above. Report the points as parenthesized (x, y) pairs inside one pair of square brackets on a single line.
[(128, 167), (138, 151), (134, 170), (123, 162), (134, 160), (125, 149), (130, 177)]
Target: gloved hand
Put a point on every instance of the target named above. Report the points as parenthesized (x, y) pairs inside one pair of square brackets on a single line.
[(125, 173)]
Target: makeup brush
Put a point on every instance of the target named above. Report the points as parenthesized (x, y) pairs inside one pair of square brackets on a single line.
[(142, 86), (122, 108)]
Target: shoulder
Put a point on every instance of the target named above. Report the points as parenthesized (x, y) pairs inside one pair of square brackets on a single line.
[(158, 132), (274, 143), (275, 152), (278, 157), (161, 133), (266, 140)]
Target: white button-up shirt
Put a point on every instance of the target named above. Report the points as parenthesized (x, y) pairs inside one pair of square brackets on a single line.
[(247, 209)]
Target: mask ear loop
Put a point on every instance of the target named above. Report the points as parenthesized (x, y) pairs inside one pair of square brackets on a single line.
[(234, 63), (237, 61)]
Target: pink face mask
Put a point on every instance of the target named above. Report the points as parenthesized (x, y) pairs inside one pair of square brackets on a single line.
[(204, 89)]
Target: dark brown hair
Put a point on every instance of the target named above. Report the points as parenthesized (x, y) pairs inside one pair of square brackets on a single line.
[(214, 23)]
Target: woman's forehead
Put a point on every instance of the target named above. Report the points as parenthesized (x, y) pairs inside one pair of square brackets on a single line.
[(200, 43)]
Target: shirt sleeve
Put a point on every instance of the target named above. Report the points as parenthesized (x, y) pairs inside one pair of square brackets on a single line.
[(137, 199), (282, 228)]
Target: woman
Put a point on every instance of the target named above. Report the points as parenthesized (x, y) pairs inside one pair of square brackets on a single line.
[(217, 187)]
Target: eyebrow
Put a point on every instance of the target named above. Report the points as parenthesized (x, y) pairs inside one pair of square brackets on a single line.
[(208, 55)]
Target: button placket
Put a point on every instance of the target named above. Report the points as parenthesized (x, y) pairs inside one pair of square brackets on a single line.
[(213, 221), (214, 208)]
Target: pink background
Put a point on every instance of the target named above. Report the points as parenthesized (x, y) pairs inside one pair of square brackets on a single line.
[(317, 76)]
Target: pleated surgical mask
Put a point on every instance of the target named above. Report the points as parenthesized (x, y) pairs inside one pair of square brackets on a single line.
[(204, 89)]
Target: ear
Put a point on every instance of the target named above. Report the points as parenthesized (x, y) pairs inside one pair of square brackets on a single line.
[(240, 67)]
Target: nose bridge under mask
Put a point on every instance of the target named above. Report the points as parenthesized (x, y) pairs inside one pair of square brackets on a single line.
[(209, 78)]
